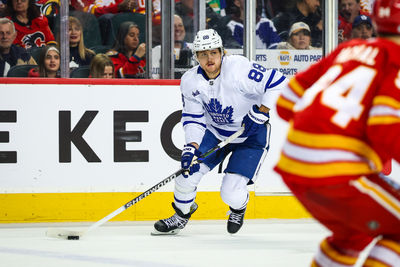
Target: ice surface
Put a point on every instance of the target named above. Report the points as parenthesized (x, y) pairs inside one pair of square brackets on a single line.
[(277, 243)]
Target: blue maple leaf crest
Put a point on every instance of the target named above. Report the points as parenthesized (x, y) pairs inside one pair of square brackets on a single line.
[(218, 115)]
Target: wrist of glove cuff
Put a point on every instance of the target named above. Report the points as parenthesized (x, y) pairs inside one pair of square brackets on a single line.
[(189, 151), (189, 148), (254, 121), (257, 116)]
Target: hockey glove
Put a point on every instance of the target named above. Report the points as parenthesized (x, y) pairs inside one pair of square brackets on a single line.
[(188, 153), (254, 121)]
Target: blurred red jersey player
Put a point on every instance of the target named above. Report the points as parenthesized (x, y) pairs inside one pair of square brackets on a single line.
[(344, 115)]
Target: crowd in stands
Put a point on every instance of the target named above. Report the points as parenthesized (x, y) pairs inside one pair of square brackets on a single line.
[(350, 12), (29, 31), (127, 53), (299, 37)]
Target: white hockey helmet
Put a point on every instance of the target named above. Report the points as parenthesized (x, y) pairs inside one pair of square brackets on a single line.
[(207, 40)]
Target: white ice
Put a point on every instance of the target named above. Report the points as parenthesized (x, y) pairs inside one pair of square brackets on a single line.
[(277, 243)]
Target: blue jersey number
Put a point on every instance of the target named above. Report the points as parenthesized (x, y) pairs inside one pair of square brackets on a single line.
[(256, 74)]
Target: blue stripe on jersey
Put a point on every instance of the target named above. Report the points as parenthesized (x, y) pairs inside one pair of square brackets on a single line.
[(271, 77), (278, 82), (183, 201), (192, 115), (187, 122), (223, 132)]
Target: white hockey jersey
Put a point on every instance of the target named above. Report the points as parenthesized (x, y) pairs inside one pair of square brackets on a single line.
[(220, 104)]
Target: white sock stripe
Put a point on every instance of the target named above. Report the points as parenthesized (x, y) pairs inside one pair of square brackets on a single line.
[(319, 155), (385, 255), (323, 260), (380, 195)]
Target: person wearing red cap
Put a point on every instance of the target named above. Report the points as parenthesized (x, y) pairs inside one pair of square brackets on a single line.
[(344, 114)]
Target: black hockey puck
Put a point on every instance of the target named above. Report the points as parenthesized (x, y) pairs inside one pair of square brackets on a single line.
[(73, 237)]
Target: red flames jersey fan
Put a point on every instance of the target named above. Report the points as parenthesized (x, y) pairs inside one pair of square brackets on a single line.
[(37, 34)]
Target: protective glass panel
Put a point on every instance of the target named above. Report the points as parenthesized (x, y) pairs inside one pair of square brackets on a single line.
[(288, 33)]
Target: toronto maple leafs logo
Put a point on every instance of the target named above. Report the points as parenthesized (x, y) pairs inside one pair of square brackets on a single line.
[(218, 115)]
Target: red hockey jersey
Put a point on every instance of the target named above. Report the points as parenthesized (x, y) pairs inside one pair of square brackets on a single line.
[(35, 34), (101, 7), (133, 67), (344, 113)]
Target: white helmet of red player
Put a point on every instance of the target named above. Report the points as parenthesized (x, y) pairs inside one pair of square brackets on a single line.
[(207, 40), (386, 14)]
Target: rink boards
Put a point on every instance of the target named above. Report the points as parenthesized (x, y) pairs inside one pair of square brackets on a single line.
[(79, 149)]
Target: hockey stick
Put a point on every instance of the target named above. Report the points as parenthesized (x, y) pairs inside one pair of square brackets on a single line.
[(76, 235)]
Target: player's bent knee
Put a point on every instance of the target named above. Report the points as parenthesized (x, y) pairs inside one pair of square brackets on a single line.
[(187, 185), (234, 190), (184, 187)]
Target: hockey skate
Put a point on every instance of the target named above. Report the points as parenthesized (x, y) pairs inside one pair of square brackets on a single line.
[(173, 224), (235, 220)]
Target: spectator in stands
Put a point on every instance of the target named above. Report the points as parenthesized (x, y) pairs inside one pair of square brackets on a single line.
[(3, 4), (105, 10), (299, 37), (32, 28), (49, 63), (184, 9), (179, 33), (183, 50), (348, 11), (266, 35), (156, 11), (362, 27), (100, 7), (11, 54), (102, 67), (79, 55), (127, 54), (307, 11), (274, 7), (220, 24)]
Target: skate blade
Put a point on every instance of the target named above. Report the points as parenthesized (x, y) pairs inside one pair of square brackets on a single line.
[(173, 232)]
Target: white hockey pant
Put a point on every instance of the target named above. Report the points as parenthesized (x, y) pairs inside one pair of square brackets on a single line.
[(234, 191)]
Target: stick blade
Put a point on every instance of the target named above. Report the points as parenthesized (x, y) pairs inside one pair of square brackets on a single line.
[(64, 234)]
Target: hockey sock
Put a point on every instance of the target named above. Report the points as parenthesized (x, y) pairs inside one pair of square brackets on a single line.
[(329, 256), (385, 253)]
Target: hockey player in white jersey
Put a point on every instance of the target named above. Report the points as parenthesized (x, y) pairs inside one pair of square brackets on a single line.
[(220, 95)]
